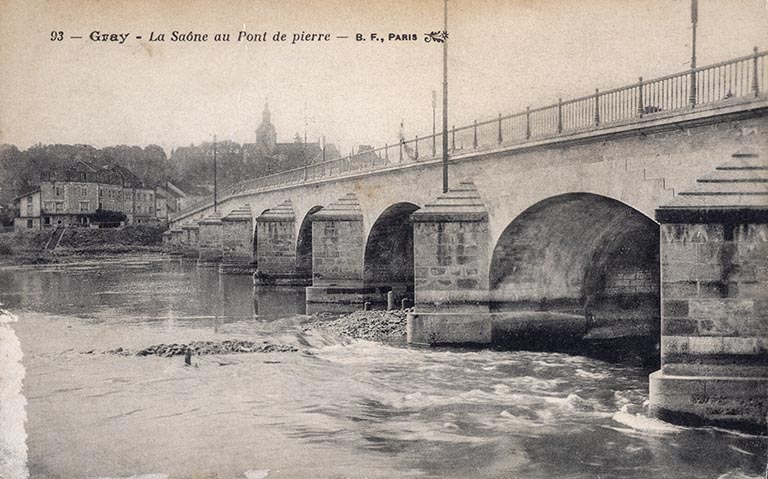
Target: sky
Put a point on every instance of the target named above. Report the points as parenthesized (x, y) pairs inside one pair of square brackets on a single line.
[(503, 55)]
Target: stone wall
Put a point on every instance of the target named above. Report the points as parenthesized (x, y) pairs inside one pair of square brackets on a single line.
[(277, 254), (714, 345), (715, 300), (449, 263), (631, 281), (236, 241), (209, 241), (337, 252)]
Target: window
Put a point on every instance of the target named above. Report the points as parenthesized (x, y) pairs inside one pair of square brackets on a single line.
[(59, 206), (58, 191), (83, 191), (48, 205), (85, 206), (150, 197), (47, 220), (30, 223), (29, 199), (30, 211)]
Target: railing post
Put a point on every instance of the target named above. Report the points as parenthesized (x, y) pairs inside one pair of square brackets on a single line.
[(527, 122), (434, 144), (501, 139), (401, 151), (386, 153), (474, 137), (597, 107), (755, 86), (559, 115), (453, 138), (417, 148), (640, 105)]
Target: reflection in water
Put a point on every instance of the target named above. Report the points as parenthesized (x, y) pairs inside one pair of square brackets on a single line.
[(339, 410), (158, 290)]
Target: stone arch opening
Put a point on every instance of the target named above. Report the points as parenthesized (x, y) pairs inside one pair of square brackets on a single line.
[(585, 262), (388, 259), (304, 244)]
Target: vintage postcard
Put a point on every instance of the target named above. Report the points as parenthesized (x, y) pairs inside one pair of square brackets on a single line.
[(383, 238)]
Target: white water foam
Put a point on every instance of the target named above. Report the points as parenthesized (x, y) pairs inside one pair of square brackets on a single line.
[(13, 415), (645, 424)]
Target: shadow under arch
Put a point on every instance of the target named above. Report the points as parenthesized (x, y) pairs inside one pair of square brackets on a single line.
[(304, 244), (256, 237), (388, 258), (581, 265)]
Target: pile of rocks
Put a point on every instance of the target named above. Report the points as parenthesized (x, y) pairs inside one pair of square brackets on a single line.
[(196, 348), (369, 325)]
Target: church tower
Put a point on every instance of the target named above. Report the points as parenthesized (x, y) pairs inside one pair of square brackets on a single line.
[(266, 135)]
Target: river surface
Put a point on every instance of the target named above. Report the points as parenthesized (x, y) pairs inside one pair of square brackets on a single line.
[(334, 409)]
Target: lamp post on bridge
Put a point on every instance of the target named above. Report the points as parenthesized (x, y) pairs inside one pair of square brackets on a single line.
[(215, 178), (694, 20), (445, 96)]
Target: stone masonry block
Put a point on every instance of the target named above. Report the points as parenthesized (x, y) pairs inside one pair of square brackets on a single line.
[(705, 345), (720, 308), (679, 253), (751, 233), (679, 272), (674, 308), (692, 233), (678, 327), (680, 290)]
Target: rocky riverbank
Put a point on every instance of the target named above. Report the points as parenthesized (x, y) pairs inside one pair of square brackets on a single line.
[(199, 348), (384, 326)]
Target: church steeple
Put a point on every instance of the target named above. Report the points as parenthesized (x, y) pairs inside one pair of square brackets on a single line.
[(266, 135)]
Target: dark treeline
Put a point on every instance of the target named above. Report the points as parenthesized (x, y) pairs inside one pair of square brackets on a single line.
[(20, 169), (194, 164), (189, 167)]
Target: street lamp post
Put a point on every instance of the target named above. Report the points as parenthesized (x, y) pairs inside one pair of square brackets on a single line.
[(445, 96), (215, 178), (434, 130), (694, 21)]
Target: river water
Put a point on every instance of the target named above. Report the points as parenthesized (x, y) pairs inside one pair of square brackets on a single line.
[(334, 409)]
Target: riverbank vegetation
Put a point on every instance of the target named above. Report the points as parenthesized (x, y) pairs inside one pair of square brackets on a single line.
[(76, 243)]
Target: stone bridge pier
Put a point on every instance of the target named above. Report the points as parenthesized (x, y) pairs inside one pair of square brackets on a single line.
[(714, 336), (338, 246), (450, 270), (279, 261)]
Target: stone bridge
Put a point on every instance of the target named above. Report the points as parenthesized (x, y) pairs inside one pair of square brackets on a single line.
[(551, 227)]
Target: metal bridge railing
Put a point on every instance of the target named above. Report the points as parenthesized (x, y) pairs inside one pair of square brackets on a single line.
[(737, 78)]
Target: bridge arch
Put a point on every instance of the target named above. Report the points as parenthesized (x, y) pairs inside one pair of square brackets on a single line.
[(388, 257), (304, 243), (584, 254)]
